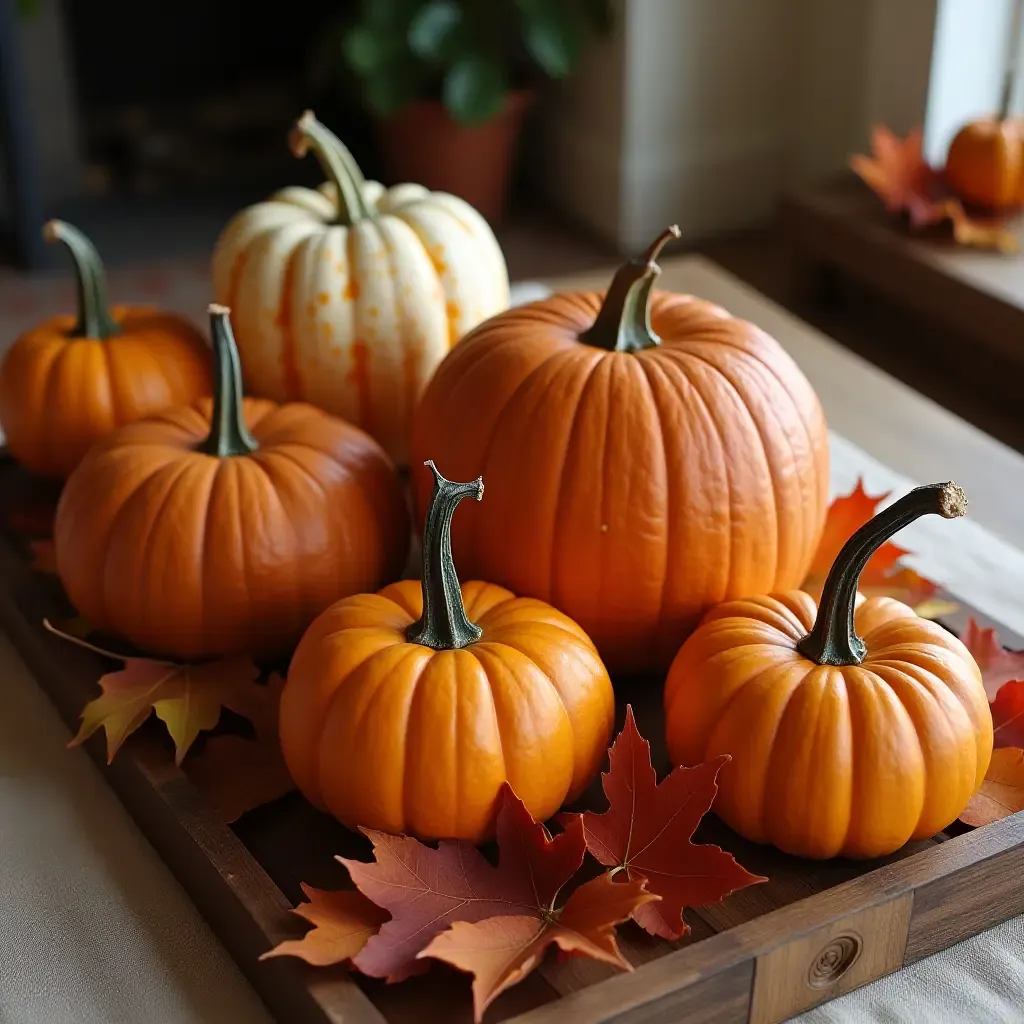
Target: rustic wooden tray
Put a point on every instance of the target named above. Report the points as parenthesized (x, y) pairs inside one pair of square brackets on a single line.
[(811, 933)]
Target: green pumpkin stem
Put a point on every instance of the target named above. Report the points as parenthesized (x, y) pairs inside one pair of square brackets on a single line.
[(444, 625), (228, 433), (834, 640), (94, 319), (338, 165), (623, 323)]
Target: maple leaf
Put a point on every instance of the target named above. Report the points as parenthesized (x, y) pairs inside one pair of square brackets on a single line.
[(44, 556), (427, 889), (1008, 714), (1002, 792), (187, 698), (343, 923), (884, 575), (235, 774), (998, 665), (647, 829), (501, 951)]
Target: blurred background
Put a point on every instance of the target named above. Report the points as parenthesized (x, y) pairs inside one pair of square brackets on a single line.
[(579, 127)]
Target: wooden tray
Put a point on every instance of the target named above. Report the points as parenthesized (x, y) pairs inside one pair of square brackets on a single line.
[(811, 933)]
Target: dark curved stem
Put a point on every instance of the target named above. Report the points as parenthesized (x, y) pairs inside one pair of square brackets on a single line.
[(624, 321), (94, 319), (444, 625), (834, 640), (228, 433), (338, 165), (1012, 62)]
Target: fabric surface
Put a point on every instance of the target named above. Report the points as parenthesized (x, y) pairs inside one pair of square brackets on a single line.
[(94, 929)]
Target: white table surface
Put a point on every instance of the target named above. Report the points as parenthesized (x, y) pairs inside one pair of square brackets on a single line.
[(95, 929)]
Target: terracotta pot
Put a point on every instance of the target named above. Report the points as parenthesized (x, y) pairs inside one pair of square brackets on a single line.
[(423, 143)]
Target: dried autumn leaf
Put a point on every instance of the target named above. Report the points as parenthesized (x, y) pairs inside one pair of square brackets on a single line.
[(1008, 714), (186, 698), (884, 575), (343, 923), (646, 833), (236, 775), (44, 556), (425, 889), (998, 665), (1002, 792), (500, 951)]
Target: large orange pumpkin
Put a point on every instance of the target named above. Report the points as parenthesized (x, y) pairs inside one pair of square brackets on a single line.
[(71, 380), (648, 456), (841, 744), (985, 163), (401, 713), (229, 526)]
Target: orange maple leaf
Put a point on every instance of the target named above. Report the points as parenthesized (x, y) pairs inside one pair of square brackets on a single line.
[(1002, 792), (885, 574), (647, 830), (187, 698), (235, 774), (500, 951), (899, 175), (1008, 715), (998, 665), (343, 923)]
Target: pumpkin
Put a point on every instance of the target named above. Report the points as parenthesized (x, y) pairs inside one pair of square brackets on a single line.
[(71, 380), (853, 727), (349, 296), (648, 456), (401, 713), (228, 526), (985, 163)]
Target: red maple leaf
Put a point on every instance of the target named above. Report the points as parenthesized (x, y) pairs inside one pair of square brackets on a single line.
[(647, 829), (998, 665), (425, 890), (1008, 715)]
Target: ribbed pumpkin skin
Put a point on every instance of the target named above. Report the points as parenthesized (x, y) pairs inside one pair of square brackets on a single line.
[(631, 491), (188, 555), (59, 394), (396, 736), (355, 319), (852, 761), (985, 164)]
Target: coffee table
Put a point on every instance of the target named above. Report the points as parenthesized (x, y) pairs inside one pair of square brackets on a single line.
[(95, 928)]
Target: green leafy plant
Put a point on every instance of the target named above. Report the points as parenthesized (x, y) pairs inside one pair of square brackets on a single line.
[(467, 53)]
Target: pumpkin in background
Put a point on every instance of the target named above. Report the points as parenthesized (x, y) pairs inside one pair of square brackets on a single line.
[(648, 456), (401, 713), (348, 296), (229, 526), (985, 164), (71, 380), (840, 744)]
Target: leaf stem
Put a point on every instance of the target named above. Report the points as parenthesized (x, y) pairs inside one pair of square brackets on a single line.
[(102, 651)]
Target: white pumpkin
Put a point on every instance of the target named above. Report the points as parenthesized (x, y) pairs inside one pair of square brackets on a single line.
[(348, 296)]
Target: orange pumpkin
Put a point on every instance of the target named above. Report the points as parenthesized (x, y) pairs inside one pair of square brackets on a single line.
[(227, 527), (401, 713), (841, 744), (985, 164), (70, 381), (648, 456)]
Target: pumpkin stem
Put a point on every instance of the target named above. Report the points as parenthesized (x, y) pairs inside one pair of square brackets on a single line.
[(228, 433), (834, 640), (338, 165), (623, 323), (444, 625), (94, 319)]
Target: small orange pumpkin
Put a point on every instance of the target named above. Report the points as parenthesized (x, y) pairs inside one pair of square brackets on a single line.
[(648, 454), (840, 745), (985, 164), (227, 527), (68, 382), (402, 714)]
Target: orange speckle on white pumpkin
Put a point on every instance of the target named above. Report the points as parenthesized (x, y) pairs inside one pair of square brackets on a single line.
[(453, 309), (351, 290), (372, 311), (323, 298)]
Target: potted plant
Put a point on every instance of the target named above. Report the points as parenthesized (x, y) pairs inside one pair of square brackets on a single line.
[(450, 80)]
